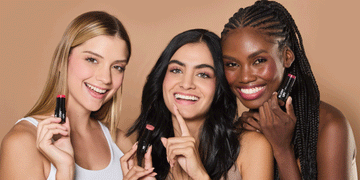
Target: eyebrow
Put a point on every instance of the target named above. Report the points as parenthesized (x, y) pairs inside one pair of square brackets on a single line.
[(93, 53), (196, 67), (98, 55), (249, 57)]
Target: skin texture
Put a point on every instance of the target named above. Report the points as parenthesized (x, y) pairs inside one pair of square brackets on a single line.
[(194, 77), (335, 146), (182, 150), (100, 61)]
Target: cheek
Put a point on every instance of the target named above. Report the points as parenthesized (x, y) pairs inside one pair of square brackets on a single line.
[(208, 87), (78, 69), (166, 82), (118, 80), (269, 72), (231, 77)]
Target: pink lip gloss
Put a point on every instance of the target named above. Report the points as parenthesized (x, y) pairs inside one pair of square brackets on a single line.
[(144, 143), (285, 88), (60, 110)]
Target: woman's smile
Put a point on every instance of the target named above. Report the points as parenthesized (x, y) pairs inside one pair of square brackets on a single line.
[(251, 93)]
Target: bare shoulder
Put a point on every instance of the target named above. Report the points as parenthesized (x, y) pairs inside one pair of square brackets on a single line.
[(329, 115), (19, 154), (332, 122), (255, 160), (122, 141), (250, 139), (336, 147), (21, 134)]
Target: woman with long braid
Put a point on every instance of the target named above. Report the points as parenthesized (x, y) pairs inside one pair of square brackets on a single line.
[(310, 138)]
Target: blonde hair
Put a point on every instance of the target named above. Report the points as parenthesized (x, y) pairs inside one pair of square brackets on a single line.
[(81, 29)]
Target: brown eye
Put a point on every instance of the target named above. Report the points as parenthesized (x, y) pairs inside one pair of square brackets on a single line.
[(260, 60), (119, 68), (231, 65), (92, 60)]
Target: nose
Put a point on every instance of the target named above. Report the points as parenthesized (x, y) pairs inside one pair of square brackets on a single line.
[(103, 74), (187, 81), (246, 75)]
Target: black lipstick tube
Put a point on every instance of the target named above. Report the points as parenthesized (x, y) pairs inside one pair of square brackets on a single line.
[(285, 88), (144, 143), (60, 108)]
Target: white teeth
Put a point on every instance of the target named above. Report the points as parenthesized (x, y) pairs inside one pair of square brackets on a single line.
[(251, 90), (192, 98), (101, 91)]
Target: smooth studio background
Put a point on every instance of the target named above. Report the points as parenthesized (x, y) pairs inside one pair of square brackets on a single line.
[(30, 31)]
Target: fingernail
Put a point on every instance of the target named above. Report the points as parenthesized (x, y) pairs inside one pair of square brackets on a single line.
[(135, 145), (274, 93)]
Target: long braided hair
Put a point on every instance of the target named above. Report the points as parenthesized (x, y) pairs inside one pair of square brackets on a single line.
[(272, 19)]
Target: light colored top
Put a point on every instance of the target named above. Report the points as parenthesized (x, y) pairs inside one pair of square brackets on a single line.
[(233, 174), (353, 175), (112, 171)]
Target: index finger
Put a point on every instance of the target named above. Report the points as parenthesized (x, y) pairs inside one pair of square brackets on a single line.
[(183, 127)]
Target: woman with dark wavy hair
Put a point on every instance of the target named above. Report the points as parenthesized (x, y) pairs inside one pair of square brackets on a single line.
[(188, 101), (310, 138)]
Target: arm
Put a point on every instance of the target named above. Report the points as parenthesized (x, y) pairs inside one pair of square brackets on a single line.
[(336, 144), (255, 160), (19, 157)]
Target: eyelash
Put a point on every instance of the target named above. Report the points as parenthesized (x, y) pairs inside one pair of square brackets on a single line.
[(119, 68), (259, 60), (93, 60), (90, 59), (175, 70), (231, 64), (203, 75)]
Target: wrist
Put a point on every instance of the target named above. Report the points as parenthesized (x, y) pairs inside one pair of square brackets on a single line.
[(284, 151), (65, 172), (203, 176)]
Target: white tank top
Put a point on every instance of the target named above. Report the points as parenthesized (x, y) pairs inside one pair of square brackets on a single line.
[(112, 171)]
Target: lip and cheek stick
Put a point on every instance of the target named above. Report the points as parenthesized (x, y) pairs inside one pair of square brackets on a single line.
[(285, 88), (60, 108), (144, 143)]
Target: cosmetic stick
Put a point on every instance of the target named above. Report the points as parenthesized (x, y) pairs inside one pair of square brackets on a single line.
[(60, 108), (144, 143), (285, 89)]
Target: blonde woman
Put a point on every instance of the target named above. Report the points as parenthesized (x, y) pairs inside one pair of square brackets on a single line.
[(88, 68)]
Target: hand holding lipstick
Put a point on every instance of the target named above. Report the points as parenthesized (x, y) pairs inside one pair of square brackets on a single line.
[(182, 151), (131, 171), (59, 152), (277, 126)]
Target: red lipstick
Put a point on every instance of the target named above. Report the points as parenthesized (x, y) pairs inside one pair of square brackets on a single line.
[(285, 88), (144, 143), (60, 110)]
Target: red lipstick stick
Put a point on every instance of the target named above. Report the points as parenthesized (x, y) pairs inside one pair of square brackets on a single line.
[(285, 88), (60, 110), (144, 143)]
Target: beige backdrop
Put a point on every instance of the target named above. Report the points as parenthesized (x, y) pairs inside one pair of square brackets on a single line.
[(30, 31)]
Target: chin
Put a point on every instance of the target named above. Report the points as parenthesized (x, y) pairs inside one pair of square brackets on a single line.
[(251, 105), (189, 114)]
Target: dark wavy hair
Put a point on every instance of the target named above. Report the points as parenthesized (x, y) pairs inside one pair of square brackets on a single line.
[(272, 19), (219, 142)]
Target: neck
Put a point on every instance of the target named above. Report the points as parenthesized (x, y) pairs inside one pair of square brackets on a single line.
[(79, 119)]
